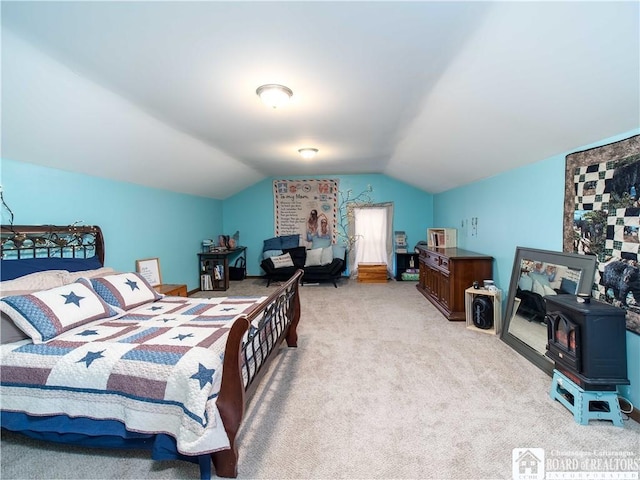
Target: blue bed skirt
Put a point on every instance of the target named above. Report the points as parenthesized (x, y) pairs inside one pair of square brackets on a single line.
[(89, 432)]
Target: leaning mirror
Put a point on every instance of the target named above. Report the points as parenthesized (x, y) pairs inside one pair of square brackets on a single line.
[(536, 274)]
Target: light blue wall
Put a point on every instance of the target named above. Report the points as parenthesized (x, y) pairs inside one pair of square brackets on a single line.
[(522, 207), (137, 222), (251, 211)]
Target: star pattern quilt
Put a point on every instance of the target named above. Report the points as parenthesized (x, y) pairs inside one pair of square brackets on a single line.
[(156, 368)]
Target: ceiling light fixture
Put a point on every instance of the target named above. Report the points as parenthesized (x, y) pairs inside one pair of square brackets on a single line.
[(308, 153), (274, 95)]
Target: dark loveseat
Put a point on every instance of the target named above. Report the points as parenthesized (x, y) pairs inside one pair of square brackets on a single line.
[(329, 272)]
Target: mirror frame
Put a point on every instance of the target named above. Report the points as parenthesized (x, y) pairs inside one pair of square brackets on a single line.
[(584, 263)]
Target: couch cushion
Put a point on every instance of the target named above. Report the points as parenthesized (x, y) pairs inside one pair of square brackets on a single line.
[(334, 269), (298, 255)]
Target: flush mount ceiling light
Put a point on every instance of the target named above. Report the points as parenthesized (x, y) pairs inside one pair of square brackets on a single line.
[(274, 95), (308, 153)]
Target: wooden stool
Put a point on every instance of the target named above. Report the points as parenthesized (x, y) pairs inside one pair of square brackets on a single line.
[(585, 404)]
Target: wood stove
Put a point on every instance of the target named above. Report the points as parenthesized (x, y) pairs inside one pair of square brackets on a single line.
[(587, 341)]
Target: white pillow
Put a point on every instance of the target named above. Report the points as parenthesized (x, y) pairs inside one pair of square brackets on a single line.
[(327, 256), (36, 281), (282, 261), (314, 257), (71, 277)]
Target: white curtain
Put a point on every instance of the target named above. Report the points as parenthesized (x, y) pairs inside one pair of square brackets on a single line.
[(372, 231)]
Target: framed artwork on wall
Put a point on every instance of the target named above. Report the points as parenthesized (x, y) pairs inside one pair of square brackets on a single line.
[(149, 269), (601, 218)]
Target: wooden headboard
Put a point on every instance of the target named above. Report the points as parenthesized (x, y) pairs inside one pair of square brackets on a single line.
[(44, 241)]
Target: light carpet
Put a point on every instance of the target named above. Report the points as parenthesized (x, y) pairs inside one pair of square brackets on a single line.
[(381, 386)]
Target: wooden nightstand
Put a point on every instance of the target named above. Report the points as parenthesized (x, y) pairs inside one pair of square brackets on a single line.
[(172, 290)]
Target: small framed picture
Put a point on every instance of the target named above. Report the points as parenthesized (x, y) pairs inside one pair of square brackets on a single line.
[(149, 269)]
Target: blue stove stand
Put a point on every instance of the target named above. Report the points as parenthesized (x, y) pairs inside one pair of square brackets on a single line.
[(586, 405)]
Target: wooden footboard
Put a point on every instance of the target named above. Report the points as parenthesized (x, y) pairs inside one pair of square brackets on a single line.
[(247, 359)]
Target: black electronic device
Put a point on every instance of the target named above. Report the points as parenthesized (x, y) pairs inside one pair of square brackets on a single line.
[(421, 243), (482, 312)]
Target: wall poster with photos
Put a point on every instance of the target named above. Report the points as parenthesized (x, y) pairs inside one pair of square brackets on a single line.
[(307, 207), (601, 218)]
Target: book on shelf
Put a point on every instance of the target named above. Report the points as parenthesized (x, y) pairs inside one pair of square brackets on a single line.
[(401, 250), (205, 282), (217, 272), (433, 240), (438, 239)]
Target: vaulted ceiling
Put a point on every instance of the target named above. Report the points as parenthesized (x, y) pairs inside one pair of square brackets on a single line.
[(436, 94)]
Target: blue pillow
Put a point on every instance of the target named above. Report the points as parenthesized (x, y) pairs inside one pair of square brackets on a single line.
[(274, 243), (339, 251), (318, 242), (525, 282), (290, 241), (271, 253), (17, 268)]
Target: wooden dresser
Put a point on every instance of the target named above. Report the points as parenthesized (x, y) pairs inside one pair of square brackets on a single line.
[(445, 274)]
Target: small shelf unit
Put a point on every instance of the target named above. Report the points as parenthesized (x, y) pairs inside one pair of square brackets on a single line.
[(470, 295), (407, 263), (441, 237)]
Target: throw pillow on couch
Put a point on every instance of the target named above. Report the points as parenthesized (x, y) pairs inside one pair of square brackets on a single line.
[(319, 256), (282, 261)]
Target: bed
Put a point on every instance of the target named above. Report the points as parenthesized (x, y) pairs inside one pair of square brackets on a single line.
[(95, 357)]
